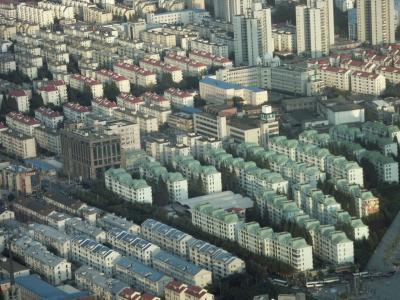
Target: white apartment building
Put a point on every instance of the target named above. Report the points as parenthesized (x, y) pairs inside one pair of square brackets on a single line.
[(210, 60), (48, 117), (35, 14), (280, 246), (93, 14), (130, 102), (129, 133), (59, 11), (151, 98), (120, 182), (161, 68), (18, 144), (209, 125), (121, 82), (53, 93), (178, 17), (21, 98), (217, 222), (218, 92), (110, 221), (79, 82), (333, 245), (21, 123), (253, 35), (181, 269), (51, 237), (75, 112), (161, 113), (335, 77), (367, 83), (189, 66), (168, 238), (93, 254), (103, 106), (220, 262), (136, 75), (132, 245), (339, 167), (387, 168), (285, 39), (54, 269), (76, 226), (141, 276), (209, 47), (179, 98), (104, 287)]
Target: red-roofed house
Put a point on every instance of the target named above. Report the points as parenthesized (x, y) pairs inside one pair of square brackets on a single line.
[(367, 83), (392, 74), (80, 82), (135, 74), (129, 294), (179, 98), (149, 297), (189, 66), (3, 128), (129, 101), (22, 99), (49, 117), (335, 77), (176, 290), (21, 123), (210, 60), (103, 106), (76, 112), (120, 81), (54, 91), (161, 68), (155, 99)]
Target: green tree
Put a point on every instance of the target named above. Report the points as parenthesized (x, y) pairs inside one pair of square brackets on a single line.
[(35, 102), (9, 104), (43, 72), (111, 91), (198, 102), (86, 97)]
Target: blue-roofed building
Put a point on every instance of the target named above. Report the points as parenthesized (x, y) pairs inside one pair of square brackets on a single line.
[(181, 269), (218, 92), (140, 276), (32, 287)]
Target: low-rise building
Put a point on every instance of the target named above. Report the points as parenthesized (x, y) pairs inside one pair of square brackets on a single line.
[(133, 190), (93, 254), (161, 69), (111, 221), (176, 290), (16, 178), (48, 139), (189, 66), (35, 14), (137, 76), (75, 112), (48, 117), (18, 144), (80, 83), (107, 76), (179, 98), (76, 226), (21, 98), (367, 83), (21, 123)]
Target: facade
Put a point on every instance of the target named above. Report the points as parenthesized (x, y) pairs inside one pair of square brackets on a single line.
[(93, 254), (253, 35), (18, 144), (176, 290), (17, 179), (80, 83), (82, 155), (179, 97), (367, 83), (75, 112), (375, 21), (120, 81), (21, 123), (35, 14), (48, 139), (136, 75), (161, 69), (49, 117), (22, 100)]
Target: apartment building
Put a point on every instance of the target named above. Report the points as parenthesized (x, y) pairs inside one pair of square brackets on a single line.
[(216, 221), (253, 35), (168, 238), (314, 138), (130, 102), (179, 98), (18, 144), (75, 112), (220, 262), (340, 167), (93, 254), (132, 245), (375, 21), (50, 94), (189, 66), (76, 226), (386, 168), (7, 62), (184, 17), (120, 182), (218, 92), (103, 106), (48, 117), (209, 177), (161, 69), (367, 83), (280, 246), (141, 276), (181, 269), (136, 75), (80, 83), (17, 178), (335, 77), (35, 14), (48, 139), (54, 269), (21, 98), (217, 49), (104, 287), (209, 125), (151, 98), (159, 37), (93, 14), (210, 60), (59, 11), (107, 76), (111, 221), (52, 238), (21, 123), (181, 122), (285, 39), (176, 290)]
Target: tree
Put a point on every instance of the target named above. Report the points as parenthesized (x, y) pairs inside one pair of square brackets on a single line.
[(341, 23), (198, 102), (86, 97), (43, 72), (285, 12), (9, 104), (111, 91), (35, 102)]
